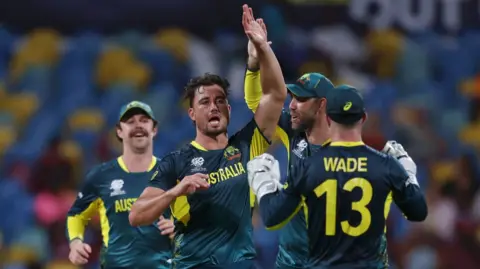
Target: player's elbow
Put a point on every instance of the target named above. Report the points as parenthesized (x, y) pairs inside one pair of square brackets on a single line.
[(137, 218), (416, 210)]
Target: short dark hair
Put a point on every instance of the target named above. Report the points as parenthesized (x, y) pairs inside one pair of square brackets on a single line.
[(205, 80)]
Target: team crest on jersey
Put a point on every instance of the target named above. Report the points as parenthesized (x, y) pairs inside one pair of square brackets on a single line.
[(232, 153), (117, 187), (197, 164), (301, 146)]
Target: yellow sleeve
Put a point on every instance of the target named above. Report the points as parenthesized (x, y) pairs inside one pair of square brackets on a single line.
[(253, 89), (77, 221)]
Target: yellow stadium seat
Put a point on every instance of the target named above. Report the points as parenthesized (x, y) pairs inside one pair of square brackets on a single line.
[(59, 264), (7, 138), (20, 254), (137, 74), (174, 40), (71, 150), (470, 135), (471, 87), (41, 46), (444, 171), (86, 119), (385, 47), (21, 105), (111, 64)]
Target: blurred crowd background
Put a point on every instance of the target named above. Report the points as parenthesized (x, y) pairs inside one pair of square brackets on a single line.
[(66, 67)]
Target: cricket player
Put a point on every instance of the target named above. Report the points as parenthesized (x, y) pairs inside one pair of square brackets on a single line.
[(110, 189), (348, 188), (205, 183)]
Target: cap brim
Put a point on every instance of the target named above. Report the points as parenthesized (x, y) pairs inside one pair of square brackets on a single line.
[(299, 91), (132, 111)]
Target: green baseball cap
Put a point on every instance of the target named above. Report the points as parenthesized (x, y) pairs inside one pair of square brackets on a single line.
[(136, 106), (345, 105), (311, 85)]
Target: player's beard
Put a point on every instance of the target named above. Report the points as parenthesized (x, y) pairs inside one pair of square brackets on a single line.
[(305, 124)]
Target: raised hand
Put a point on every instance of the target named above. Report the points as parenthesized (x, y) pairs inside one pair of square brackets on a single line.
[(253, 29), (252, 52)]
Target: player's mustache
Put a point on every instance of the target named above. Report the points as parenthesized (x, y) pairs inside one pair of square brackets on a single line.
[(138, 131)]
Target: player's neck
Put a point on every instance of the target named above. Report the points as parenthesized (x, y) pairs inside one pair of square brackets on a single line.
[(351, 135), (212, 142), (318, 134), (137, 162)]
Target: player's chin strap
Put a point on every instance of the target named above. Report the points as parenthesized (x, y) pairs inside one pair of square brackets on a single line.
[(263, 175)]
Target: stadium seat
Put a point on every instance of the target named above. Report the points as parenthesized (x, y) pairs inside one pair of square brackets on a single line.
[(71, 150), (174, 40), (6, 118), (42, 46), (21, 106), (136, 73), (160, 61), (86, 119), (469, 135), (7, 138), (110, 65), (385, 47), (61, 265)]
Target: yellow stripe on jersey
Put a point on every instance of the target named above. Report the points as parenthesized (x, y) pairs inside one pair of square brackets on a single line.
[(122, 164), (104, 223), (181, 208), (287, 220), (386, 210)]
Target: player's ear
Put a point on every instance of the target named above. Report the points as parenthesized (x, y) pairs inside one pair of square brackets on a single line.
[(364, 117), (155, 130), (119, 131), (229, 110), (322, 104), (191, 114)]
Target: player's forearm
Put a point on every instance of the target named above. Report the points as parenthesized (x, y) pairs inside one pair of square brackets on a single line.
[(147, 210), (253, 89), (415, 206), (276, 209), (75, 227), (272, 81)]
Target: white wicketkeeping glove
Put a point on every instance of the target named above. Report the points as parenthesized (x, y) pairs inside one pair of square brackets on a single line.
[(396, 150), (263, 175)]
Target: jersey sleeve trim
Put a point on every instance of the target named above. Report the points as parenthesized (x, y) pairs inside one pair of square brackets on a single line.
[(287, 220)]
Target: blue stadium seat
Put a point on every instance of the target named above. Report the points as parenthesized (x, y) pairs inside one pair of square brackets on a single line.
[(160, 61), (36, 79), (14, 199), (113, 99), (163, 100), (6, 118), (87, 139)]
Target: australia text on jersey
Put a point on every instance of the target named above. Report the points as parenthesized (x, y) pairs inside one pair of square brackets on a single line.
[(222, 174)]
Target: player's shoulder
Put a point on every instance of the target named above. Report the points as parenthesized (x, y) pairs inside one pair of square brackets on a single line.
[(97, 172), (179, 155)]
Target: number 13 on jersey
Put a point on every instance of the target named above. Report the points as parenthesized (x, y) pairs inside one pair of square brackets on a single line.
[(329, 188)]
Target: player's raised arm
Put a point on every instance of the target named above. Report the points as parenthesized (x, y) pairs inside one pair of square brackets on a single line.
[(273, 87), (162, 191), (277, 206), (78, 217)]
